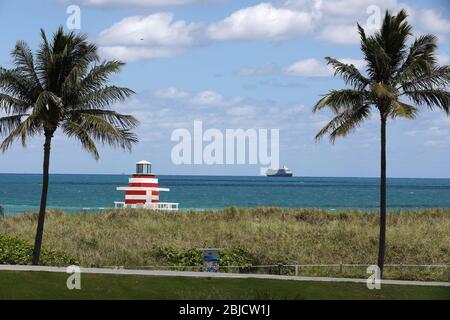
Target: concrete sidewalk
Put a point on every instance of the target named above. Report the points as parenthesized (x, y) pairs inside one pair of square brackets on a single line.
[(213, 275)]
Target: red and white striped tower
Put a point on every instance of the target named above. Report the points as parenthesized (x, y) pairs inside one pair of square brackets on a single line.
[(143, 191)]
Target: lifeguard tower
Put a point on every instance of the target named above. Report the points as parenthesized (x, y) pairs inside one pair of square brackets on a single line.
[(142, 191)]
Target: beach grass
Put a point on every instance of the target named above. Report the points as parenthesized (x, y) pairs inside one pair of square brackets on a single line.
[(134, 238), (46, 285)]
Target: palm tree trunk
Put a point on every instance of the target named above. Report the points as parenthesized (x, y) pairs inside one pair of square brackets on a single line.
[(41, 218), (382, 240)]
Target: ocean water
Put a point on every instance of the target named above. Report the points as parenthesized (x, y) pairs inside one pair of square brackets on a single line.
[(21, 192)]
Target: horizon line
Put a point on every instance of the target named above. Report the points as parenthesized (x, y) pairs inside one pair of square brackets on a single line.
[(224, 175)]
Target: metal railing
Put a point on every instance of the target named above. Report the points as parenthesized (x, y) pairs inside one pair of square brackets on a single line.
[(292, 269), (164, 206)]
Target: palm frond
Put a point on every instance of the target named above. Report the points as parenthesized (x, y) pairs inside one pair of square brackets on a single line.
[(103, 97), (33, 124), (378, 61), (12, 105), (395, 73), (43, 60), (401, 109), (9, 123), (362, 33), (48, 108), (349, 73), (23, 59), (420, 59), (74, 130), (435, 77), (346, 121), (13, 82), (105, 132), (392, 37), (113, 117), (431, 98), (70, 86), (338, 100), (63, 85), (28, 127), (100, 74)]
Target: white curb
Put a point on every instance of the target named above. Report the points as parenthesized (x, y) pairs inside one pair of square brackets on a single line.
[(214, 275)]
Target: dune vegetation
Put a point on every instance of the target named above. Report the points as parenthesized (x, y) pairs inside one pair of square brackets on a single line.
[(249, 237)]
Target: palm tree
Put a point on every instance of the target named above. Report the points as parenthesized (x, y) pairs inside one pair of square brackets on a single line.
[(63, 86), (400, 79)]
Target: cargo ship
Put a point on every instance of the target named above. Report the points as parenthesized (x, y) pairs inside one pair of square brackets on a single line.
[(283, 172)]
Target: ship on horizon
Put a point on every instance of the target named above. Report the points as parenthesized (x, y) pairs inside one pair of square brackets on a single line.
[(283, 172)]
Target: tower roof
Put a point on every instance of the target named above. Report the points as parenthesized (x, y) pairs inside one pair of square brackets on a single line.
[(143, 162)]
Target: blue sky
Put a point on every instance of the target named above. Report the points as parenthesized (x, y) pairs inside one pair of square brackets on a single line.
[(234, 64)]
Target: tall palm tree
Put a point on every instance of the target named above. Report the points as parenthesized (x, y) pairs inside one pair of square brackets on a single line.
[(63, 86), (399, 79)]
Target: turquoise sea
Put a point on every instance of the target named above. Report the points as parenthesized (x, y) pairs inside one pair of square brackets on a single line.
[(21, 192)]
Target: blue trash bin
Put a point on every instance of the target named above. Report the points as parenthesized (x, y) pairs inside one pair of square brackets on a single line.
[(211, 259)]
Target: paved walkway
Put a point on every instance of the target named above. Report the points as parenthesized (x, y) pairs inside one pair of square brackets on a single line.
[(214, 275)]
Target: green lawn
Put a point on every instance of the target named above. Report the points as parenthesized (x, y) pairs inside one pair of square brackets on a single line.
[(43, 285)]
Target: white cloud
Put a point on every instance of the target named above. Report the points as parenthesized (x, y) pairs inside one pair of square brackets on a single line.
[(171, 93), (263, 21), (187, 99), (308, 68), (146, 37), (160, 35), (340, 9), (158, 29), (434, 22), (294, 110), (264, 70), (132, 54), (208, 98), (242, 111), (141, 3), (314, 68), (436, 132), (335, 20), (352, 8), (159, 110), (340, 34), (433, 132)]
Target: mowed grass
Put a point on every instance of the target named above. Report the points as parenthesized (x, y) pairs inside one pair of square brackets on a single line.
[(270, 236), (45, 285)]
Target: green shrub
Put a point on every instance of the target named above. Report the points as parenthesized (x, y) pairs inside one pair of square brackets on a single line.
[(17, 251), (237, 256), (173, 257), (169, 256), (192, 257)]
